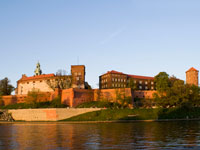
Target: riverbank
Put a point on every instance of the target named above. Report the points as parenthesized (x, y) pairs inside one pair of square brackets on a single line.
[(125, 115)]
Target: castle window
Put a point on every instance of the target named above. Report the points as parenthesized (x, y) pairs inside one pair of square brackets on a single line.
[(140, 87), (146, 87), (124, 80), (116, 79), (79, 73), (27, 82), (140, 82), (152, 82), (113, 85), (146, 82), (75, 73), (113, 79), (135, 81), (152, 88)]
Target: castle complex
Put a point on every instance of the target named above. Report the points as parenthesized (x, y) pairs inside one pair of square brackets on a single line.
[(73, 90)]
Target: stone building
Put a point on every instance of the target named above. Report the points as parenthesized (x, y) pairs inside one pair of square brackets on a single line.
[(114, 79), (40, 82), (192, 76)]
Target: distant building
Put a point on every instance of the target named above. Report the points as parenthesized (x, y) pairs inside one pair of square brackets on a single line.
[(39, 80), (192, 76), (114, 79)]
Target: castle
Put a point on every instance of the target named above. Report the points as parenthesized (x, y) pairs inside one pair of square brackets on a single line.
[(74, 91)]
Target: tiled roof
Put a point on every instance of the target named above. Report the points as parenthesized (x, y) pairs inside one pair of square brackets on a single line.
[(192, 69), (115, 72), (132, 76), (141, 77), (24, 78)]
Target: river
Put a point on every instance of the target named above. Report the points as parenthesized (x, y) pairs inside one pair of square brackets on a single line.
[(138, 135)]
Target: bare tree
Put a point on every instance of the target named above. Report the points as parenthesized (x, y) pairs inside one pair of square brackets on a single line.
[(61, 81)]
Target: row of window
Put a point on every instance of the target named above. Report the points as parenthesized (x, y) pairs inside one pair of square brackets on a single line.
[(146, 88), (146, 82), (116, 75), (119, 80), (118, 85)]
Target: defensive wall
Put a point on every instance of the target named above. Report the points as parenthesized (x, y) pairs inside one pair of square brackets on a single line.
[(73, 97)]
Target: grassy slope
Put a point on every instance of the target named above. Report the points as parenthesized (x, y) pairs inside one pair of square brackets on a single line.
[(138, 114)]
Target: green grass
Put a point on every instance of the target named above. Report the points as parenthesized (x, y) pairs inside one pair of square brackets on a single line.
[(138, 114), (99, 104)]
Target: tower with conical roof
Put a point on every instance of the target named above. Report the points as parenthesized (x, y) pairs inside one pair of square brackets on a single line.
[(38, 71), (192, 76)]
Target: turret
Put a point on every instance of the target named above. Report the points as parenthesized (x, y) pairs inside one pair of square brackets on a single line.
[(192, 76), (38, 71)]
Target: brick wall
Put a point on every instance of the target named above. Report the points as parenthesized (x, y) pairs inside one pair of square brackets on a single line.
[(73, 97), (144, 94)]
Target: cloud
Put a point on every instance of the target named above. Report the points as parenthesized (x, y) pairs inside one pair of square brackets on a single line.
[(112, 36)]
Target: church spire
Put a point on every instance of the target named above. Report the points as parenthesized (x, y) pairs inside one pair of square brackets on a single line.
[(38, 71)]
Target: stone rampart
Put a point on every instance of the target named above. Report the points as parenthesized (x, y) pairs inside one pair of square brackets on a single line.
[(73, 97)]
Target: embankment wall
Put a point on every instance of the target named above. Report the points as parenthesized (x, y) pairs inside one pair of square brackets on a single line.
[(52, 114)]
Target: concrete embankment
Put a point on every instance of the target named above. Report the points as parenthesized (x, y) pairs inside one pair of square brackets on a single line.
[(51, 114)]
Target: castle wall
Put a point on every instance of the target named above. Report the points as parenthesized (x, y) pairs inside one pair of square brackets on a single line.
[(73, 97), (144, 94)]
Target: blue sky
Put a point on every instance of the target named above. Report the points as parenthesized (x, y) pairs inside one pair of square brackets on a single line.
[(141, 37)]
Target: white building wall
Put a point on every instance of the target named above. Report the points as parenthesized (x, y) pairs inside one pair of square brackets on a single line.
[(41, 85)]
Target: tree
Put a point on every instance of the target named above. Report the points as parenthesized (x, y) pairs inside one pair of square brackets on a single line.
[(61, 81), (162, 82), (179, 95), (5, 87), (34, 97), (131, 84)]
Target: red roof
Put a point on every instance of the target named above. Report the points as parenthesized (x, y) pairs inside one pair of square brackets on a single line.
[(24, 77), (192, 69), (115, 72), (132, 76), (141, 77)]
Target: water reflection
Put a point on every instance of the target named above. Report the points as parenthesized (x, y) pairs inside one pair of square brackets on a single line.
[(141, 135)]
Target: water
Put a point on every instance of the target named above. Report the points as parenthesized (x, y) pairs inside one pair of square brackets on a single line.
[(139, 135)]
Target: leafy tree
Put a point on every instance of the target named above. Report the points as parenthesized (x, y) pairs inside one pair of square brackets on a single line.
[(179, 95), (5, 87), (34, 97), (162, 82), (131, 84), (87, 86)]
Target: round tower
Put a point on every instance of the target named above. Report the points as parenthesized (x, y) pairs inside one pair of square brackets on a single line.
[(192, 76)]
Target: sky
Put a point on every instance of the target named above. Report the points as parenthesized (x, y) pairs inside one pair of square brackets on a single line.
[(140, 37)]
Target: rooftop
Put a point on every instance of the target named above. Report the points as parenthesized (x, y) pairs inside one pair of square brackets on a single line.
[(192, 69), (25, 78), (132, 76)]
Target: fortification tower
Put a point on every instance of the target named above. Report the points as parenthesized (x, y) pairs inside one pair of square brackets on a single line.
[(192, 76), (78, 76)]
